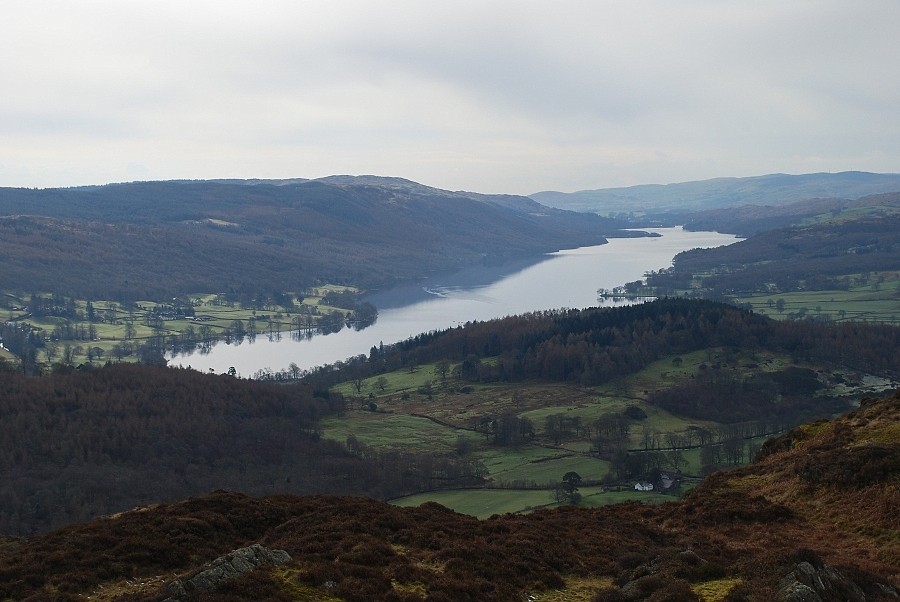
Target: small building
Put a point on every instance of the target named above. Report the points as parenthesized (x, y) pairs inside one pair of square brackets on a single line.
[(643, 486)]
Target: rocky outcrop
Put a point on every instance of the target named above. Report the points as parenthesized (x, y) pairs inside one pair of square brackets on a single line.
[(220, 570), (669, 574), (807, 583)]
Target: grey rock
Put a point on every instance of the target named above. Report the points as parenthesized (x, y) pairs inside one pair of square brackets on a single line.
[(887, 591), (176, 591), (224, 568), (807, 583), (797, 592), (279, 556)]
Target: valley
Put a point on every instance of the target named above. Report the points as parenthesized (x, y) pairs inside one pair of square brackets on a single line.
[(588, 430), (450, 302), (567, 278), (492, 432)]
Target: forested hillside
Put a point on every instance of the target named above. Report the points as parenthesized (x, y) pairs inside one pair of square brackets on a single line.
[(155, 240), (834, 255), (74, 445), (593, 345)]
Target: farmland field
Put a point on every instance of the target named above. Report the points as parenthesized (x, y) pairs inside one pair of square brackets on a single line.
[(117, 330), (878, 302), (484, 503)]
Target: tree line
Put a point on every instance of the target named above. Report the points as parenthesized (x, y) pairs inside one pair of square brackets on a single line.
[(592, 346)]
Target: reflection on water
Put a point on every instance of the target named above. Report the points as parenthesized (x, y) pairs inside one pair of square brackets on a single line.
[(455, 292), (441, 285), (568, 278)]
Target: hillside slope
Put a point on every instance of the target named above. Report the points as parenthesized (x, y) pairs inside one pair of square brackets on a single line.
[(822, 256), (817, 515), (75, 444), (159, 239), (748, 220), (719, 193)]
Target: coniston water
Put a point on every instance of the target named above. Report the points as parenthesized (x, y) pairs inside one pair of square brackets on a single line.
[(566, 279)]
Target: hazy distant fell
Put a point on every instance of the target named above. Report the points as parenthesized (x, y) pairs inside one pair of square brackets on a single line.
[(773, 189)]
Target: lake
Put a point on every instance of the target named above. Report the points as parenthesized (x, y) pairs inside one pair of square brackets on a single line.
[(568, 278)]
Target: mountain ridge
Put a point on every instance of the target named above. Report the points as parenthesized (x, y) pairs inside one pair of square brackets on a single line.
[(159, 239), (727, 192)]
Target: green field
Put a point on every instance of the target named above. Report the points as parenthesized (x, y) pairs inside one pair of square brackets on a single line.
[(408, 380), (540, 465), (587, 412), (484, 503), (117, 331), (873, 301), (395, 431), (446, 419)]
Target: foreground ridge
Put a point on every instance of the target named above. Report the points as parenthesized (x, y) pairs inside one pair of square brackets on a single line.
[(814, 519)]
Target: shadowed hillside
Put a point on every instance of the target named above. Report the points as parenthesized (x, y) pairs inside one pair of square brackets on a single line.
[(159, 239), (816, 515), (753, 219)]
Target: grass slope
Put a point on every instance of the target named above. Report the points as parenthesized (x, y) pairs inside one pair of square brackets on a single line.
[(835, 269), (418, 410)]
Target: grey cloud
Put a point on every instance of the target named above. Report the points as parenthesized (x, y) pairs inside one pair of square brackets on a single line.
[(493, 96)]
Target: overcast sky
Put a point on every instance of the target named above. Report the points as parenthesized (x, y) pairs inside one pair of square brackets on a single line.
[(486, 96)]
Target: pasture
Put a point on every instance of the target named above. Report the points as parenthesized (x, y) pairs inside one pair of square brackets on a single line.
[(118, 329), (427, 409), (875, 299), (484, 503)]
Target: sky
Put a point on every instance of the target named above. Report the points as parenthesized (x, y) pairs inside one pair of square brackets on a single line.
[(487, 96)]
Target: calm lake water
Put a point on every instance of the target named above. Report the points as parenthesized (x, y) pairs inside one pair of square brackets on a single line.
[(568, 278)]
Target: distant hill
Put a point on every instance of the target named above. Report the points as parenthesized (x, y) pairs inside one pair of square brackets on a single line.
[(837, 254), (752, 219), (159, 239), (719, 193), (813, 519)]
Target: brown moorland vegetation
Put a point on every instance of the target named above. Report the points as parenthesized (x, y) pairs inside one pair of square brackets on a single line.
[(826, 494)]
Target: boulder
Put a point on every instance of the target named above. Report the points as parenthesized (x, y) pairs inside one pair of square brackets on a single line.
[(806, 583), (215, 573)]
